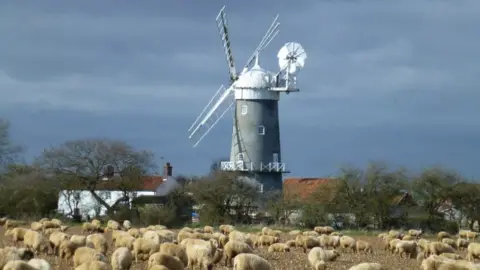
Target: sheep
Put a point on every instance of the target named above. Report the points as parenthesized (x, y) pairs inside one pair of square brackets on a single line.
[(40, 264), (226, 229), (437, 248), (17, 234), (473, 251), (462, 233), (36, 226), (290, 243), (10, 223), (144, 246), (324, 230), (306, 242), (395, 234), (125, 241), (441, 263), (382, 235), (88, 227), (18, 265), (222, 240), (79, 240), (462, 243), (85, 255), (48, 224), (315, 259), (326, 255), (175, 250), (266, 240), (233, 248), (12, 253), (451, 256), (67, 249), (409, 248), (36, 241), (183, 235), (449, 242), (64, 228), (169, 236), (97, 241), (93, 265), (424, 244), (415, 233), (55, 239), (392, 244), (121, 259), (361, 245), (367, 266), (278, 247), (127, 225), (157, 227), (113, 225), (347, 242), (203, 256), (408, 237), (248, 261), (134, 232), (311, 233), (208, 229), (295, 232), (169, 261), (442, 235)]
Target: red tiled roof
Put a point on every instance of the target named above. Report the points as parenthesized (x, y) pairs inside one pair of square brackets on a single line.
[(304, 187), (152, 182)]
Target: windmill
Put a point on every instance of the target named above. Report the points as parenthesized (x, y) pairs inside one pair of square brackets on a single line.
[(253, 94)]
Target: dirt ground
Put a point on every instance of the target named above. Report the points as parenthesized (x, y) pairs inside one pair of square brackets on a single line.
[(295, 260)]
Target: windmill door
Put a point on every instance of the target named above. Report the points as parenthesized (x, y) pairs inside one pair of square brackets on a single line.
[(275, 157)]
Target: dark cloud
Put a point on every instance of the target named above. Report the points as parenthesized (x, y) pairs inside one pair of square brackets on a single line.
[(393, 80)]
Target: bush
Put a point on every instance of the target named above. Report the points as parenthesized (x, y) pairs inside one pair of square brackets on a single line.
[(157, 214)]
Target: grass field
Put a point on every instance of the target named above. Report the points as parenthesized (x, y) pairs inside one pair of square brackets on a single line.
[(294, 260)]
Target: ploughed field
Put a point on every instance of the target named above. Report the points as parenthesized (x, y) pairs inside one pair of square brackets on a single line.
[(293, 260)]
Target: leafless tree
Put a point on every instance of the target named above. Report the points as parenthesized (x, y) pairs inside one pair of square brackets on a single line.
[(9, 152), (82, 165)]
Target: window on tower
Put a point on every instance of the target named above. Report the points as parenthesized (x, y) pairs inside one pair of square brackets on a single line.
[(261, 130), (244, 109), (240, 157)]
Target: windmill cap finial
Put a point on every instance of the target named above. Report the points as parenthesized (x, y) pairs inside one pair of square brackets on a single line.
[(256, 65)]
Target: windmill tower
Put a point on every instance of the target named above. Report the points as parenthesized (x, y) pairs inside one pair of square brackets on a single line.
[(253, 94)]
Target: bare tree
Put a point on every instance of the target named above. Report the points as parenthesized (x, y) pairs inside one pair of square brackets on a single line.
[(9, 152), (82, 165)]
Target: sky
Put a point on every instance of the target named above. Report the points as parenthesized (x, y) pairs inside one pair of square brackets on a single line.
[(393, 81)]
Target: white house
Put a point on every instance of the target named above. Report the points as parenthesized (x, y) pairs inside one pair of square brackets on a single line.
[(82, 199)]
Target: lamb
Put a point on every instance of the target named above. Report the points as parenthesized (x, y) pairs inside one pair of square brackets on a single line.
[(442, 235), (175, 250), (84, 255), (93, 265), (144, 246), (40, 264), (451, 256), (278, 247), (347, 242), (98, 242), (409, 248), (36, 241), (367, 266), (462, 243), (248, 261), (169, 261), (121, 259), (127, 224), (266, 240), (315, 259), (437, 248), (233, 248), (203, 256), (365, 246), (55, 239), (473, 251), (306, 242)]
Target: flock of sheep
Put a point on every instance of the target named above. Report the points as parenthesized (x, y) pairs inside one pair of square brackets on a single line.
[(205, 248)]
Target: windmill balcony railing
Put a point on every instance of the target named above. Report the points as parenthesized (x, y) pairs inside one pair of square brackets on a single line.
[(249, 166)]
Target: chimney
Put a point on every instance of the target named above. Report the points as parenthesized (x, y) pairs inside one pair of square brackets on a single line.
[(167, 171)]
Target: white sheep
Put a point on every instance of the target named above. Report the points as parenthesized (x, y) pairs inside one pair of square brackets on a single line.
[(121, 259), (85, 255), (18, 265), (40, 264), (169, 261), (12, 253), (437, 248), (365, 246), (55, 239), (79, 240), (367, 266), (125, 241), (279, 247), (98, 242), (203, 255), (315, 259), (127, 224), (93, 265), (67, 249), (325, 255), (175, 250), (248, 261), (36, 241), (409, 248), (144, 246), (347, 242), (36, 226), (462, 243), (17, 234), (233, 248), (473, 251)]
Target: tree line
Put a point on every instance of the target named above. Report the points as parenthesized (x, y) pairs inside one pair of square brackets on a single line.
[(376, 197)]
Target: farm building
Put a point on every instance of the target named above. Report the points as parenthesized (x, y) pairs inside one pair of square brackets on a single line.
[(80, 201)]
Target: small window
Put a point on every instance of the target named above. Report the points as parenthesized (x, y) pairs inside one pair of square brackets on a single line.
[(275, 157), (240, 157), (244, 109), (261, 130), (260, 188)]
